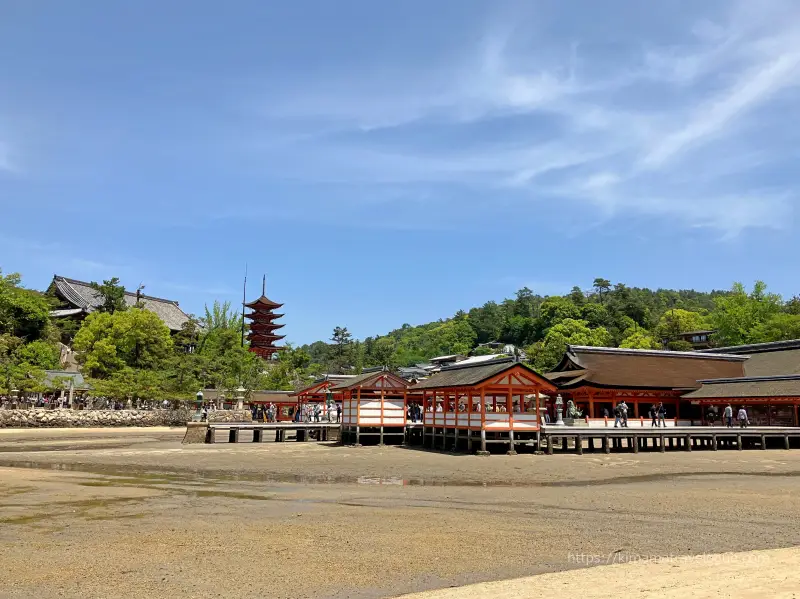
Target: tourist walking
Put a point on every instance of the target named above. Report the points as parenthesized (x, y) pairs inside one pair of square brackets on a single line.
[(729, 416), (617, 416), (742, 417), (338, 412), (653, 416), (662, 414), (623, 409)]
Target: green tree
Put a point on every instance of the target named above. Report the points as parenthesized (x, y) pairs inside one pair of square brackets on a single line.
[(738, 314), (556, 309), (601, 286), (15, 373), (136, 338), (568, 332), (487, 322), (675, 322), (384, 352), (577, 297), (526, 303), (680, 345), (640, 339), (112, 295), (341, 358), (23, 313), (793, 305), (596, 315), (41, 354), (780, 327), (221, 316)]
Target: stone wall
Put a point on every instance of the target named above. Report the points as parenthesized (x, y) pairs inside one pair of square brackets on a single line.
[(39, 418)]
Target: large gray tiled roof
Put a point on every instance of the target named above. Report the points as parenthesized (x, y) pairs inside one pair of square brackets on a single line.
[(768, 359), (642, 368), (81, 295), (745, 387)]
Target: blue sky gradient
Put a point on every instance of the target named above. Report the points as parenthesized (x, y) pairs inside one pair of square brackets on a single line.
[(387, 163)]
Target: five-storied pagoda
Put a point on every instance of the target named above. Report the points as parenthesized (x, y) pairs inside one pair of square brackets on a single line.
[(262, 335)]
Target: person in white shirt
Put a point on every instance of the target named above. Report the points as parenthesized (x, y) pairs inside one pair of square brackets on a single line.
[(742, 417)]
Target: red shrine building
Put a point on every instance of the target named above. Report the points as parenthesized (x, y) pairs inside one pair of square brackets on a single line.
[(598, 378), (261, 336)]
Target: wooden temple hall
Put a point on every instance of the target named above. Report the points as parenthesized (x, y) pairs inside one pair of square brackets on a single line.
[(475, 405), (694, 386), (596, 379)]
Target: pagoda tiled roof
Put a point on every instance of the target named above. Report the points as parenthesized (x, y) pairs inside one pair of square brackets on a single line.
[(263, 302)]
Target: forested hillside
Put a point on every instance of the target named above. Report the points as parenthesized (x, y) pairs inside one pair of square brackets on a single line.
[(607, 314)]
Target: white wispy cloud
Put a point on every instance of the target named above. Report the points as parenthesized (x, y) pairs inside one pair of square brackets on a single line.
[(662, 131)]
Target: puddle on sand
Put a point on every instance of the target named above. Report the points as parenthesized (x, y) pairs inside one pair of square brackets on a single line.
[(143, 477)]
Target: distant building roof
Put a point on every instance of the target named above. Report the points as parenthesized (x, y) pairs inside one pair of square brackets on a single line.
[(83, 297), (746, 387), (413, 372), (450, 358), (67, 312), (642, 368), (702, 332), (481, 359)]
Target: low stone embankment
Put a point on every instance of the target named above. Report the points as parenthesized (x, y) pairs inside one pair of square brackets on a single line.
[(40, 418)]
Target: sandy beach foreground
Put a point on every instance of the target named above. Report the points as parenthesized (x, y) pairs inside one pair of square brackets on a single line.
[(772, 573), (102, 513)]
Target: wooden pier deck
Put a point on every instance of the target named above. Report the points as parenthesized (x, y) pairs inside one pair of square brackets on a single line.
[(205, 432), (684, 438)]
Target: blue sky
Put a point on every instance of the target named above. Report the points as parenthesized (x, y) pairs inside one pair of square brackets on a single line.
[(386, 162)]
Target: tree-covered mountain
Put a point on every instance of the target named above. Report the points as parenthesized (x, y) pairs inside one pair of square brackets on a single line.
[(607, 314)]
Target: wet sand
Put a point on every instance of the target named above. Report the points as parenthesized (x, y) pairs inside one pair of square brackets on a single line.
[(132, 513)]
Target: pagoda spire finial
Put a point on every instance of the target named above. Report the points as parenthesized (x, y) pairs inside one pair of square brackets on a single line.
[(264, 285)]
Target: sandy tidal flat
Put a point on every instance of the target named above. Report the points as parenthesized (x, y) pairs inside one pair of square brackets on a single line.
[(96, 514)]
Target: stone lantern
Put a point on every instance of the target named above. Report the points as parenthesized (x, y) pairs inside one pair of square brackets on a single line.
[(198, 401), (240, 397), (559, 410)]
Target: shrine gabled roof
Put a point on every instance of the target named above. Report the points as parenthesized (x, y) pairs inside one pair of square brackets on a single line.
[(474, 374), (644, 369), (364, 379), (263, 302)]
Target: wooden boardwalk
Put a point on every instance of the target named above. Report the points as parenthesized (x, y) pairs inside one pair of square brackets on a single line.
[(576, 439), (303, 431), (685, 438)]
